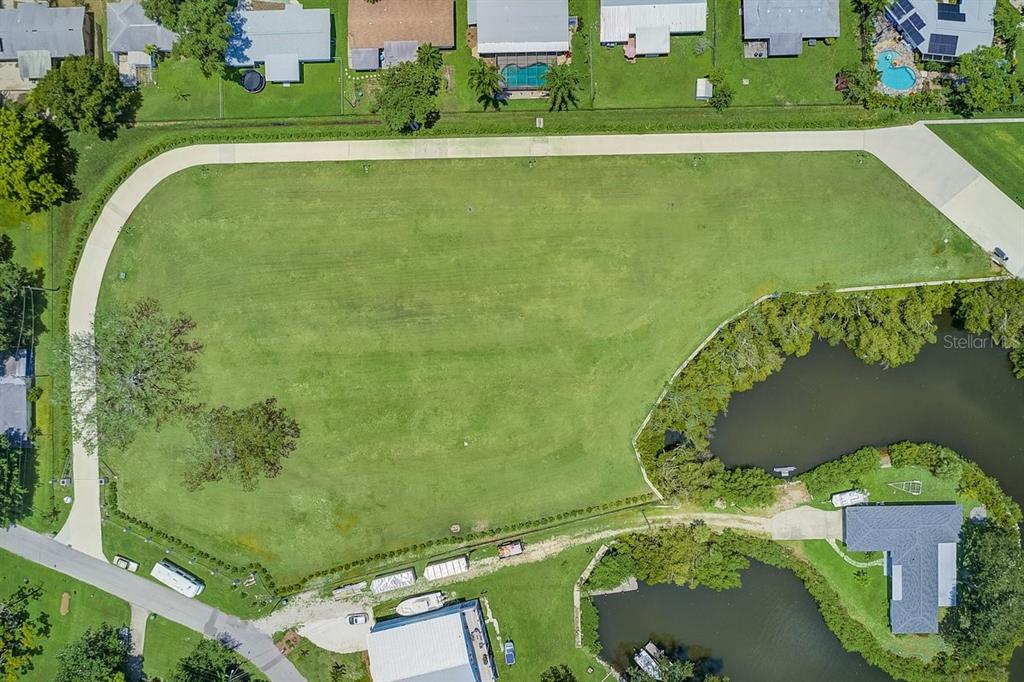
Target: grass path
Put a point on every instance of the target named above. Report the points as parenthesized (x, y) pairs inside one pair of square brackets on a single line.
[(472, 341), (995, 149)]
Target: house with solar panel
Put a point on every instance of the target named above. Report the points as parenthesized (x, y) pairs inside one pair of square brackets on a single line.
[(942, 31), (645, 27), (920, 546), (779, 28), (34, 37), (279, 39), (523, 39)]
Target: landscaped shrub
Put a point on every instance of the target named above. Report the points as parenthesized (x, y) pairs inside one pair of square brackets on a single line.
[(832, 477)]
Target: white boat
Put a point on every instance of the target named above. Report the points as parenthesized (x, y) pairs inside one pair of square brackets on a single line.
[(647, 659), (420, 604), (850, 498)]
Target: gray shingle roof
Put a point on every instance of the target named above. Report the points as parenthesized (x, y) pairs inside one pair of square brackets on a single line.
[(807, 18), (292, 30), (130, 30), (14, 383), (58, 30), (911, 535)]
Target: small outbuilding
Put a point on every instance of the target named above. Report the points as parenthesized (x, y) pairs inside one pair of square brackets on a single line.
[(705, 89)]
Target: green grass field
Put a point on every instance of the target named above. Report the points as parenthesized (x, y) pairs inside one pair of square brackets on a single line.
[(933, 489), (995, 149), (89, 607), (470, 341), (867, 599)]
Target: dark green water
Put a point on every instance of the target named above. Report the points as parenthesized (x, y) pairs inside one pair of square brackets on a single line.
[(959, 393), (769, 630)]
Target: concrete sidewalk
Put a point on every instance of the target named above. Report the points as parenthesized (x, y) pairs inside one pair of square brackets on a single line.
[(917, 155), (252, 644)]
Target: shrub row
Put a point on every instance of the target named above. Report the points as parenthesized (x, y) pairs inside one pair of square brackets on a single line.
[(445, 542)]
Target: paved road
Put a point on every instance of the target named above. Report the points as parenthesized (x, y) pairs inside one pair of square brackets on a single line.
[(253, 644), (916, 154)]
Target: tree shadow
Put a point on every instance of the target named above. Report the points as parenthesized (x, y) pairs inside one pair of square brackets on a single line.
[(63, 160)]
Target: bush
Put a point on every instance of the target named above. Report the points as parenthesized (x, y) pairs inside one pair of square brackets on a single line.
[(700, 46), (840, 474)]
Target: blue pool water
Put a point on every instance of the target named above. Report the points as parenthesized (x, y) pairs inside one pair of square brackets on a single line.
[(524, 77), (895, 77)]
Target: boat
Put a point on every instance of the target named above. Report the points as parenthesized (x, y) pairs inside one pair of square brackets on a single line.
[(420, 604), (647, 659)]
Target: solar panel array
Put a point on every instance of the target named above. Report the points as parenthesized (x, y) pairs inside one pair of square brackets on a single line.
[(900, 8), (949, 12), (911, 33), (916, 20), (943, 44)]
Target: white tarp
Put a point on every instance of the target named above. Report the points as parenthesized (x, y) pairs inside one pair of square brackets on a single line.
[(393, 581), (445, 569)]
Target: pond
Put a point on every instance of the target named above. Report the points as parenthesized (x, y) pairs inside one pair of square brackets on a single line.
[(769, 630), (958, 393)]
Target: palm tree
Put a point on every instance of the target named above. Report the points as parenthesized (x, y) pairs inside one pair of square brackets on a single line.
[(429, 56), (485, 81), (562, 83)]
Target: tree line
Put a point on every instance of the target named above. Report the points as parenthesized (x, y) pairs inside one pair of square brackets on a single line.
[(886, 327)]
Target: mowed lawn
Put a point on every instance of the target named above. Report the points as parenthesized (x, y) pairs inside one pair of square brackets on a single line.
[(995, 149), (87, 607), (474, 341)]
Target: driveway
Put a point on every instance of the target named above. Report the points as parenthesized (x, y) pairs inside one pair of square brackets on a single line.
[(806, 523), (913, 152), (251, 643)]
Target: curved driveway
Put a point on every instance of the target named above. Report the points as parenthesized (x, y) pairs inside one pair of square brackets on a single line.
[(913, 152)]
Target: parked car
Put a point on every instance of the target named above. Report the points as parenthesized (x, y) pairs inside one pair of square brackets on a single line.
[(126, 563), (999, 256), (510, 549), (510, 653), (357, 618)]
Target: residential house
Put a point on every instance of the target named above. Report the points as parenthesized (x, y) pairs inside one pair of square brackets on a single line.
[(388, 32), (942, 31), (782, 26), (522, 38), (133, 39), (644, 26), (920, 542), (15, 381), (34, 37), (280, 39)]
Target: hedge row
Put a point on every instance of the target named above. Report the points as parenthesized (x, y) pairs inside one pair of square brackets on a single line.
[(342, 568)]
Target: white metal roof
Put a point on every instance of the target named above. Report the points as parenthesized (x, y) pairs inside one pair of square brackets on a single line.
[(431, 650), (704, 89), (623, 18), (652, 40), (177, 578), (445, 569), (515, 26)]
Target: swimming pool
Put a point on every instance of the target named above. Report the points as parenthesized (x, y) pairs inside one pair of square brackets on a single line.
[(524, 77), (895, 77)]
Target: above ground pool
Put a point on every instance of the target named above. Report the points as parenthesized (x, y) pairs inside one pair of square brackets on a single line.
[(524, 77), (895, 77)]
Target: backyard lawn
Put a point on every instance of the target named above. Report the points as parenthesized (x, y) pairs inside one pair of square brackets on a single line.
[(180, 92), (995, 149), (807, 79), (87, 607), (465, 341), (866, 598)]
